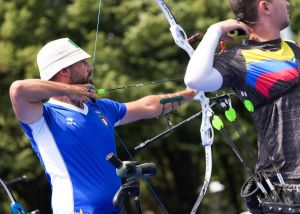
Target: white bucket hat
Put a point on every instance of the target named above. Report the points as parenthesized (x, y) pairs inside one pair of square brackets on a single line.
[(57, 55)]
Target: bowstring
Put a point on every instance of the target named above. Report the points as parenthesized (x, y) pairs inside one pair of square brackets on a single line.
[(149, 185), (97, 32)]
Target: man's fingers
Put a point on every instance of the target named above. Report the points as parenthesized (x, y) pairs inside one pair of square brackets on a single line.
[(90, 94), (83, 93), (231, 24), (245, 28), (93, 95)]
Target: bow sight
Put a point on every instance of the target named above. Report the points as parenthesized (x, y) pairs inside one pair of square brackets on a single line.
[(131, 172)]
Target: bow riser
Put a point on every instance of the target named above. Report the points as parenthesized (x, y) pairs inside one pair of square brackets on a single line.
[(206, 130)]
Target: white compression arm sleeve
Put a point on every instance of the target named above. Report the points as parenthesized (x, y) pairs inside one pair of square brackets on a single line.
[(200, 74)]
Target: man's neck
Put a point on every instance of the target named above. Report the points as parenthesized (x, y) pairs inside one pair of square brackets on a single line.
[(65, 99), (264, 33)]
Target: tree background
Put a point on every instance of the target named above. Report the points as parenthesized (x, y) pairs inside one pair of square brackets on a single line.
[(134, 46)]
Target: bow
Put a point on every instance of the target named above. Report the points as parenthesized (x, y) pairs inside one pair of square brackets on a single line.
[(206, 129)]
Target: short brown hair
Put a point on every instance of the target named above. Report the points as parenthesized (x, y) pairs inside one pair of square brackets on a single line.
[(245, 10)]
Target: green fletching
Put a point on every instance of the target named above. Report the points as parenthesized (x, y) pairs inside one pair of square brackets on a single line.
[(230, 114), (101, 91), (217, 123), (249, 105)]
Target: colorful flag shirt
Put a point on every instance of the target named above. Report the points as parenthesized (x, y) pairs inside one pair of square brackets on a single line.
[(264, 70)]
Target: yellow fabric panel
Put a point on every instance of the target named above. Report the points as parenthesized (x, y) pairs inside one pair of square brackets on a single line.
[(255, 55)]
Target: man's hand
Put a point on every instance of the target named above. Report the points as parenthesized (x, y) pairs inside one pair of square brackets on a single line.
[(230, 25), (192, 93), (81, 92)]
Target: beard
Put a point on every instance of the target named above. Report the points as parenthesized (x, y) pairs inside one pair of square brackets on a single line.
[(76, 79), (91, 81)]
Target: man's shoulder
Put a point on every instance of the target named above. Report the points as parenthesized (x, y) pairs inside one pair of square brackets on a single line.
[(295, 48), (291, 42), (106, 102), (232, 51)]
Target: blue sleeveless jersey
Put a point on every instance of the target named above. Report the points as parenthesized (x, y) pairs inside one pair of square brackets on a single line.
[(72, 145)]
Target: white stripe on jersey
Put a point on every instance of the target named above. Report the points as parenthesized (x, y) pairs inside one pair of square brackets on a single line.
[(54, 166)]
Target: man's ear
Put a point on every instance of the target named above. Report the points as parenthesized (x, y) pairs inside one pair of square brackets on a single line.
[(62, 75), (65, 72), (264, 7)]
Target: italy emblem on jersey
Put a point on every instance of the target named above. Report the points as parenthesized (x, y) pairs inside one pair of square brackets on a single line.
[(269, 70), (102, 117)]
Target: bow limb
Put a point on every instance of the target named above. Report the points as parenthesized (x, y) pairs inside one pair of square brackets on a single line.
[(208, 157), (207, 136), (177, 31), (206, 129)]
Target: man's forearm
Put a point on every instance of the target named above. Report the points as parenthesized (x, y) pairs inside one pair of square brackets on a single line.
[(174, 98), (35, 90), (26, 96), (151, 106), (162, 104)]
